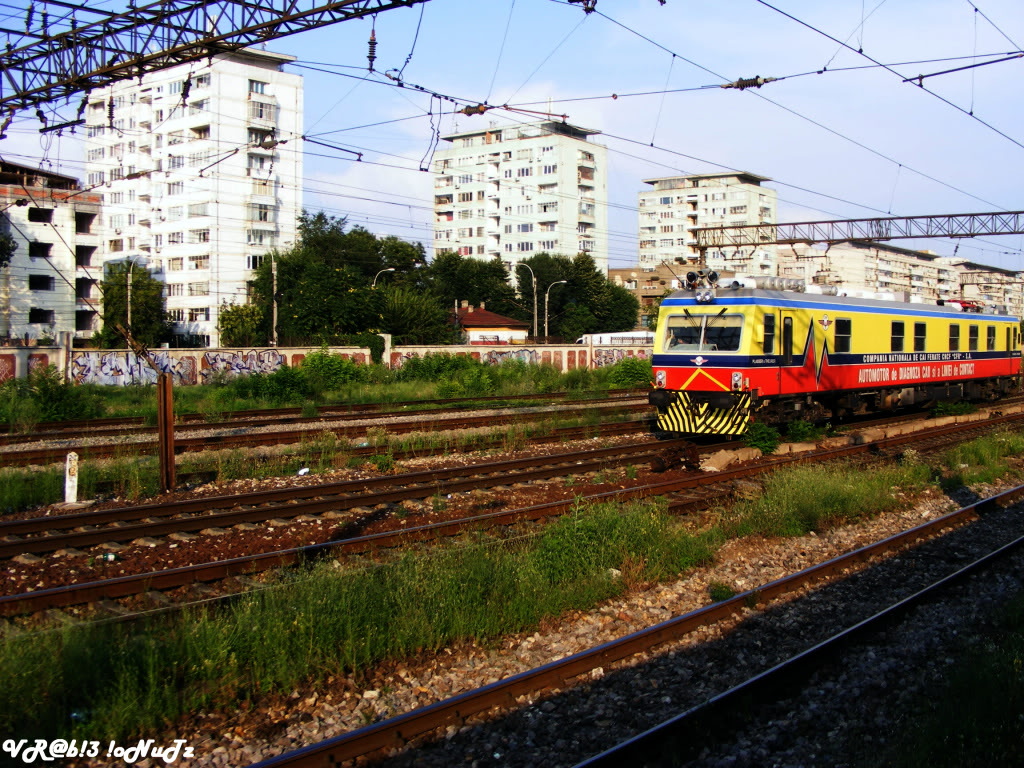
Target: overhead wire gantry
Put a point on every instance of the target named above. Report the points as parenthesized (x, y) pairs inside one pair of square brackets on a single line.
[(154, 36), (845, 230)]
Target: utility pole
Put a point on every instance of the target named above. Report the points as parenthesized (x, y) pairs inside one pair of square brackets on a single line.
[(273, 291)]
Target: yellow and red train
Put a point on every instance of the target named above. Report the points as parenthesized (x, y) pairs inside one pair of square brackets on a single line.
[(724, 355)]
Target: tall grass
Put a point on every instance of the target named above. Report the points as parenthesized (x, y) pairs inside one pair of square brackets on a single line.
[(811, 498), (118, 681)]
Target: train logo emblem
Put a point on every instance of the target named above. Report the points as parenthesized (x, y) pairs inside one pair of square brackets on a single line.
[(825, 322), (699, 360)]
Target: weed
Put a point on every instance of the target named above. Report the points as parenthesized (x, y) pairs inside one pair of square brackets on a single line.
[(762, 436), (801, 431), (384, 462), (631, 472), (950, 408), (719, 591)]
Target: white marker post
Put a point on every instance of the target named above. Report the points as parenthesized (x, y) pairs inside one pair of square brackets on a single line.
[(71, 479)]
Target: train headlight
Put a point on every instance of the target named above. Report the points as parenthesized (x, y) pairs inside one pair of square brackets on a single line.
[(737, 380), (705, 295), (659, 378)]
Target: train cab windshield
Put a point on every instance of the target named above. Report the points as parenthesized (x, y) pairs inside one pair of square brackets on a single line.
[(692, 332)]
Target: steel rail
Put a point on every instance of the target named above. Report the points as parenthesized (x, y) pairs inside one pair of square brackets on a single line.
[(399, 731), (124, 586)]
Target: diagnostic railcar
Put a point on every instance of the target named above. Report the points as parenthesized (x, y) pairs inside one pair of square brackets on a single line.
[(724, 355)]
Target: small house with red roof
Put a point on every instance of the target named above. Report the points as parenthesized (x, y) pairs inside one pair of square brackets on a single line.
[(479, 326)]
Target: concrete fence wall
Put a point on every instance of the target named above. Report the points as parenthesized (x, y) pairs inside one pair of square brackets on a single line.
[(120, 367)]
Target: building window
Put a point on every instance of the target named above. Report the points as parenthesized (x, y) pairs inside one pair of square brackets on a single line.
[(176, 188), (199, 315), (199, 209), (175, 161), (95, 178), (547, 169), (41, 215), (261, 212), (199, 262), (176, 213), (524, 228), (174, 289), (198, 289), (95, 154), (524, 172), (115, 246), (176, 264), (199, 236), (259, 110), (257, 86), (198, 106), (40, 282), (43, 316), (524, 246), (175, 238), (175, 315), (202, 81), (254, 261), (200, 133), (465, 197), (548, 245), (897, 336)]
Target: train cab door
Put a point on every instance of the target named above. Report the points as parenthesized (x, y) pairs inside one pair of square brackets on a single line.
[(787, 352)]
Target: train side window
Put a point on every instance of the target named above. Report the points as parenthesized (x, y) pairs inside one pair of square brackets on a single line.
[(990, 338), (897, 336), (920, 333), (1009, 347), (972, 338), (844, 330), (787, 340), (954, 337), (769, 335)]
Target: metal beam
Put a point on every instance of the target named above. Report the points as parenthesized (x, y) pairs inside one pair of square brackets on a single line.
[(159, 35), (844, 230)]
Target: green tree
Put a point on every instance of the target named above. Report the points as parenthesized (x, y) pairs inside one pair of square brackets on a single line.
[(7, 248), (242, 325), (415, 317), (587, 303), (148, 312), (324, 282), (453, 278)]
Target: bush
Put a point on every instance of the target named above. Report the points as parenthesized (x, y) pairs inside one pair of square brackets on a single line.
[(631, 372), (762, 436), (326, 372), (435, 367), (801, 431)]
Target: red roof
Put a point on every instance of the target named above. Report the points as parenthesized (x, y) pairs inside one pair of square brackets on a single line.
[(468, 317)]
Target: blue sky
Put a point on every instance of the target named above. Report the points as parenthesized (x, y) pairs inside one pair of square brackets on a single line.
[(845, 143)]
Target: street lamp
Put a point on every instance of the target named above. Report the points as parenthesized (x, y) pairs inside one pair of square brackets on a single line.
[(374, 283), (521, 264), (547, 295)]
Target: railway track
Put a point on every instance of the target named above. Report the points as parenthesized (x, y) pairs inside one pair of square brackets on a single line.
[(75, 430), (245, 439), (681, 487), (681, 737)]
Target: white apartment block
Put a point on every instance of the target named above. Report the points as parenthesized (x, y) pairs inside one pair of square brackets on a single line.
[(860, 267), (200, 169), (511, 192), (677, 205), (49, 287)]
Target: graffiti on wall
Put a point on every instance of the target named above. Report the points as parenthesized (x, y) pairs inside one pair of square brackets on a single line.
[(241, 363), (603, 357), (499, 356), (124, 368), (7, 367)]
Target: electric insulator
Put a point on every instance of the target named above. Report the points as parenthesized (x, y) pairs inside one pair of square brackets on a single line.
[(110, 110), (372, 55), (28, 17), (185, 88)]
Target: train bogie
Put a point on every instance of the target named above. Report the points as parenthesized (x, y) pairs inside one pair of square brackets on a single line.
[(722, 357)]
